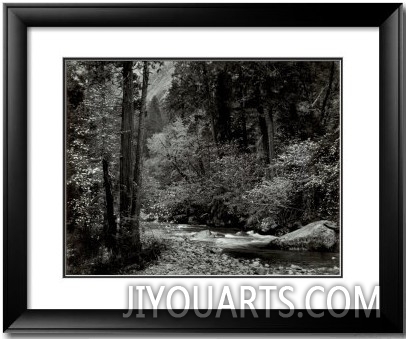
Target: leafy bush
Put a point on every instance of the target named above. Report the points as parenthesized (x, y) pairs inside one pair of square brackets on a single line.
[(267, 203), (222, 186), (305, 187), (199, 177)]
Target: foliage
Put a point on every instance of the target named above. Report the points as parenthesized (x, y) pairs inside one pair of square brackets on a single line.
[(304, 188)]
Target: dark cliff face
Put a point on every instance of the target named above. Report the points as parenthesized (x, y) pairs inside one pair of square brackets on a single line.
[(160, 81)]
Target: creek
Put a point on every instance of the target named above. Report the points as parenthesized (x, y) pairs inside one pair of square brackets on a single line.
[(249, 245)]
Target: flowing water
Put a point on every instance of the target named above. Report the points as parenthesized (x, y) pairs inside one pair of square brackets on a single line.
[(250, 245)]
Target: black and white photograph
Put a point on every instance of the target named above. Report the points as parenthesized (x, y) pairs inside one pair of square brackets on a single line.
[(202, 167)]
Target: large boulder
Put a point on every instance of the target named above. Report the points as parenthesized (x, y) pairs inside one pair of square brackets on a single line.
[(322, 236)]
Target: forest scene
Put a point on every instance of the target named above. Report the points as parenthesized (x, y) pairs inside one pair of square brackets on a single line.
[(202, 167)]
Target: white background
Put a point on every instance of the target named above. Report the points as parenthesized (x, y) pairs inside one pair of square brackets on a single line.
[(363, 53), (359, 49)]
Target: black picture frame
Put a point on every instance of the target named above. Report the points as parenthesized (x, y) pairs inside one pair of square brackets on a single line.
[(18, 17)]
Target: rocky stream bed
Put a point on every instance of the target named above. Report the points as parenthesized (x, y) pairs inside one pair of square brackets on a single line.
[(199, 253)]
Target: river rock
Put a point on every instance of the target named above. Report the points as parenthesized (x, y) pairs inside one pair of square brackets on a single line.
[(203, 235), (261, 271), (317, 236)]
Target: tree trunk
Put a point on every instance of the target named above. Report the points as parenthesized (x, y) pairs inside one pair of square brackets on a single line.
[(243, 115), (223, 95), (270, 128), (271, 134), (262, 125), (264, 134), (111, 227), (137, 174), (271, 138), (244, 129), (330, 85), (210, 107), (126, 141)]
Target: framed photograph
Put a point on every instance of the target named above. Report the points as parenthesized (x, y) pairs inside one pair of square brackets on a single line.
[(202, 152)]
